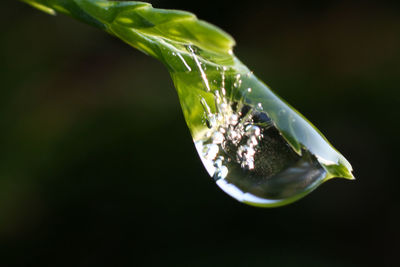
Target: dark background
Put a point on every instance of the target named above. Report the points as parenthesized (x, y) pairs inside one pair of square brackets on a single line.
[(97, 167)]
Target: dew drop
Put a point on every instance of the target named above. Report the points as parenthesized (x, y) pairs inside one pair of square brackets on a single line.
[(256, 147), (257, 164)]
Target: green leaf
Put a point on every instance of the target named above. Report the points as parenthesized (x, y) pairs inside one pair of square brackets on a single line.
[(258, 148)]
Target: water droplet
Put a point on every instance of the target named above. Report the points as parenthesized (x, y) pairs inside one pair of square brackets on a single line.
[(256, 147), (257, 164)]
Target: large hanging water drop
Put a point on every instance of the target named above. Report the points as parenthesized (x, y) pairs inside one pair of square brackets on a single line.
[(256, 147)]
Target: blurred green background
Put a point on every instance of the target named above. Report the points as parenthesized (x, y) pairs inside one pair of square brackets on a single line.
[(97, 167)]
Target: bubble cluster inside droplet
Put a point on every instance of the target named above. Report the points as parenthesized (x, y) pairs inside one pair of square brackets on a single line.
[(232, 136)]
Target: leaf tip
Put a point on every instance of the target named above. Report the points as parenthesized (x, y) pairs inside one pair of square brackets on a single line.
[(41, 7)]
